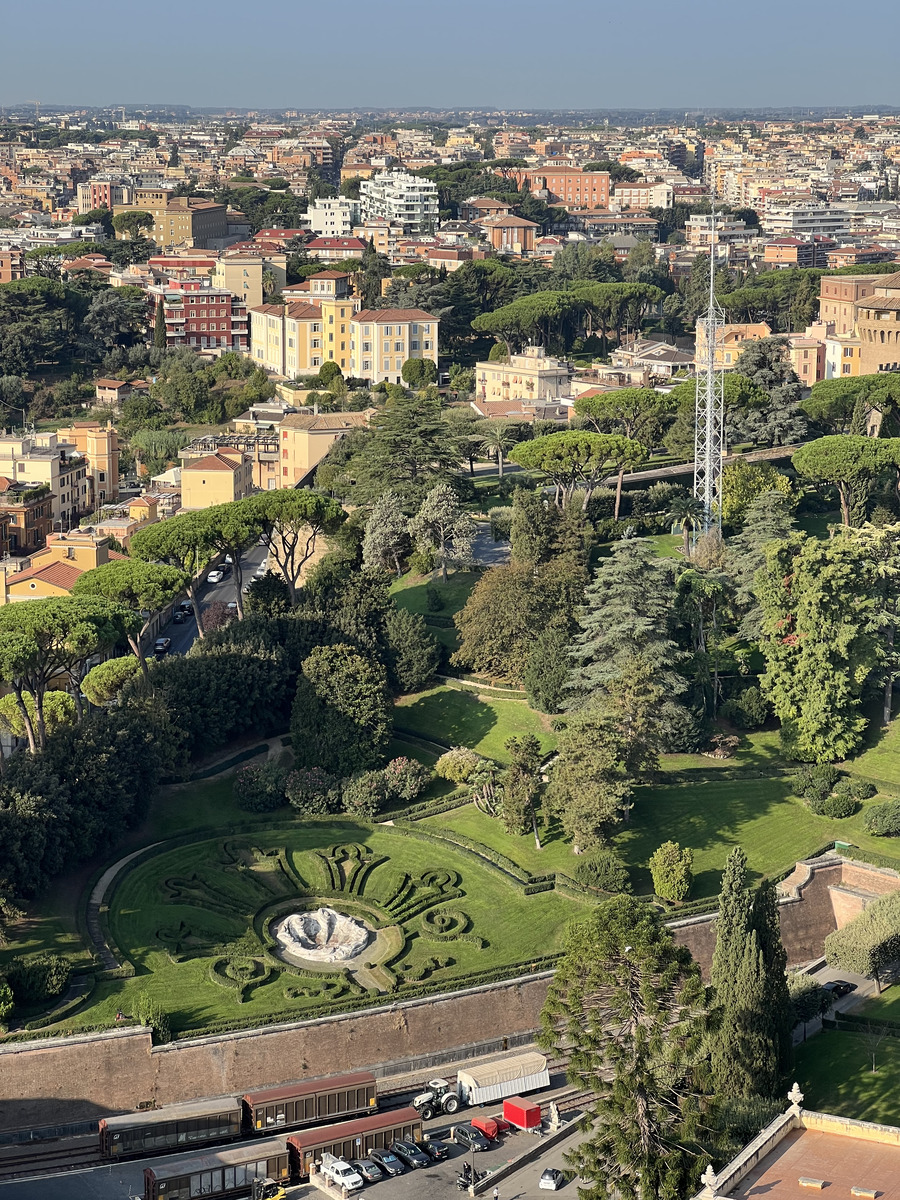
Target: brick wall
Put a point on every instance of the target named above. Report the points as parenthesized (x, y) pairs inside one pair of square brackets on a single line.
[(80, 1078)]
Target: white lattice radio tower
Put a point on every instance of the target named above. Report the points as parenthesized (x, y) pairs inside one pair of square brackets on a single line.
[(709, 418)]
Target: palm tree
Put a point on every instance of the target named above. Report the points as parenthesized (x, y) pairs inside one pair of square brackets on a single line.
[(269, 282), (497, 439), (686, 511)]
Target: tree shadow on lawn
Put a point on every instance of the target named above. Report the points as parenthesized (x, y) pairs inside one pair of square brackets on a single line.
[(456, 717), (701, 815)]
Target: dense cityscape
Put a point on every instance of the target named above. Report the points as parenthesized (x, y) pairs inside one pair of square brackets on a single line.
[(449, 610)]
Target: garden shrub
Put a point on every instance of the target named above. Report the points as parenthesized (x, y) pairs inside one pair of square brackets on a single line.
[(421, 562), (861, 789), (405, 778), (6, 1001), (365, 794), (839, 805), (883, 820), (749, 710), (458, 764), (36, 979), (260, 787), (434, 601), (603, 869), (672, 871), (816, 781), (313, 792), (817, 796), (501, 523)]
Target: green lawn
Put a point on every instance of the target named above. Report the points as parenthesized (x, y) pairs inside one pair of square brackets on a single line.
[(555, 854), (177, 913), (887, 1005), (760, 815), (816, 524), (880, 757), (409, 592), (466, 719), (834, 1071), (759, 750)]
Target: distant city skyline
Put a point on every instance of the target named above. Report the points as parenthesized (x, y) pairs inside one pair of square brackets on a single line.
[(473, 54)]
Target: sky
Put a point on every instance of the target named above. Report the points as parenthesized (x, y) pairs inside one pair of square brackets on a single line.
[(463, 53)]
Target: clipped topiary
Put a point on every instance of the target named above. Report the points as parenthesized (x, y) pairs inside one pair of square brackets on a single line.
[(458, 765), (260, 787), (839, 806)]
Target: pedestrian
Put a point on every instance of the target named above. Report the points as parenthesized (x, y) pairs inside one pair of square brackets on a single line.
[(496, 1193)]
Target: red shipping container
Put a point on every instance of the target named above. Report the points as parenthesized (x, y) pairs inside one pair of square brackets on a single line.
[(525, 1114)]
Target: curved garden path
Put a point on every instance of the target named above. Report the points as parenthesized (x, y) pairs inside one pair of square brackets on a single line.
[(95, 903)]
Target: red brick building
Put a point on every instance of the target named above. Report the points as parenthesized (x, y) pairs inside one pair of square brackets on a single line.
[(200, 316), (569, 186)]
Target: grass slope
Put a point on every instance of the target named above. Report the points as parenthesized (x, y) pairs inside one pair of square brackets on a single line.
[(462, 718), (834, 1071)]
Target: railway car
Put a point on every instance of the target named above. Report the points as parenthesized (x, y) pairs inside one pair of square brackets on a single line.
[(172, 1127), (352, 1139), (310, 1103), (218, 1174)]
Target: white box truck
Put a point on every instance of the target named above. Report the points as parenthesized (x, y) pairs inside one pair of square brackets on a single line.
[(483, 1084)]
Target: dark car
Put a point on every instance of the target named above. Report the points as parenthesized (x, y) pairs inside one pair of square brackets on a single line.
[(436, 1150), (839, 987), (161, 646), (470, 1137), (186, 607), (389, 1163), (410, 1154), (369, 1170), (178, 617)]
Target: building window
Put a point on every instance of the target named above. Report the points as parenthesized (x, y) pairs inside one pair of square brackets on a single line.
[(413, 345), (389, 330)]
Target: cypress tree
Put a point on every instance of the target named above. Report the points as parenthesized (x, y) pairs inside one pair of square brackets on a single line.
[(750, 1043), (769, 519), (159, 326)]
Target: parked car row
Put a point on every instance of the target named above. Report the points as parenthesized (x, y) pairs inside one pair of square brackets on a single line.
[(384, 1163)]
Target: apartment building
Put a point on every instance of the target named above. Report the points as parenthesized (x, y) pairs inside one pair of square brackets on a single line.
[(510, 234), (241, 275), (218, 478), (570, 187), (401, 198), (99, 445), (785, 253), (805, 221), (12, 264), (101, 193), (531, 375), (305, 438), (702, 230), (644, 195), (26, 515), (179, 220), (200, 315), (382, 339), (333, 217), (44, 459)]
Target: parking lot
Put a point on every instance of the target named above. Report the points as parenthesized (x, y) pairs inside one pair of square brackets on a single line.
[(122, 1181)]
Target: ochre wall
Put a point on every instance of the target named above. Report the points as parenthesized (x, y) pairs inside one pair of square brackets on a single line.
[(76, 1079)]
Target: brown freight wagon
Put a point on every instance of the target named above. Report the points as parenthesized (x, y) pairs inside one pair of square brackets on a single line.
[(352, 1139), (309, 1103)]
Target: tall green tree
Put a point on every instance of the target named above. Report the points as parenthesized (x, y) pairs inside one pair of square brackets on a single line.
[(159, 326), (144, 587), (497, 439), (852, 464), (45, 641), (637, 413), (443, 527), (409, 449), (292, 521), (181, 542), (769, 518), (623, 656), (627, 1004), (341, 719), (520, 785), (780, 422), (590, 791), (386, 538), (820, 642), (232, 529), (578, 459)]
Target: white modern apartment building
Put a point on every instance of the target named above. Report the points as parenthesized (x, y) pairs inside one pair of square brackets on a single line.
[(402, 198), (333, 218), (805, 221)]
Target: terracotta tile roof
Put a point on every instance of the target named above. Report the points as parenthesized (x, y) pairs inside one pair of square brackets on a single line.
[(212, 462), (336, 243), (331, 275), (322, 422), (392, 315), (111, 383), (301, 310), (888, 281), (57, 574)]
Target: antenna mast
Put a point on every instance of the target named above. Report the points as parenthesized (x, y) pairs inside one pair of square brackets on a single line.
[(709, 419)]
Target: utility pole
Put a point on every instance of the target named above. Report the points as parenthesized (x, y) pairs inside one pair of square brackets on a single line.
[(709, 416)]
